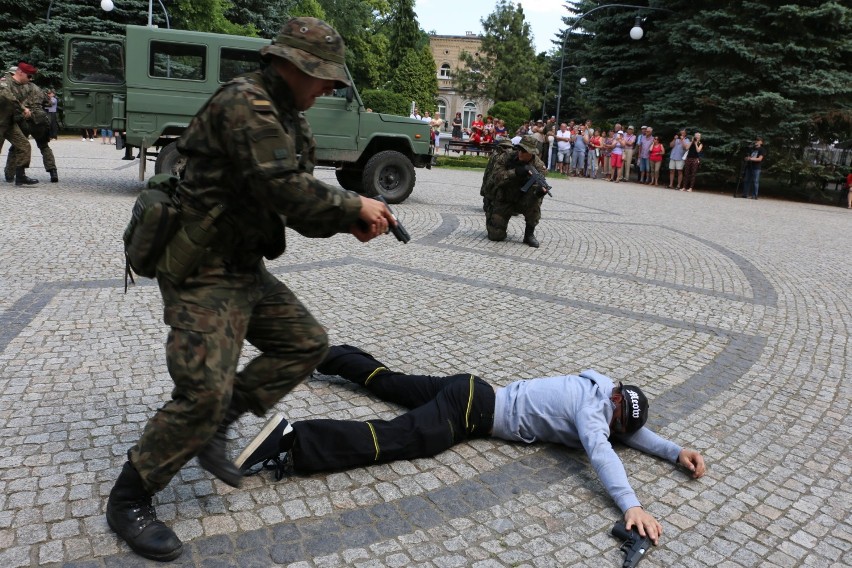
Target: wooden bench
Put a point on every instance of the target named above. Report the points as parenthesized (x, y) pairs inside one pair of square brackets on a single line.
[(463, 147)]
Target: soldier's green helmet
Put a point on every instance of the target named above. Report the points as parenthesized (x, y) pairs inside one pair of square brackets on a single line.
[(313, 46)]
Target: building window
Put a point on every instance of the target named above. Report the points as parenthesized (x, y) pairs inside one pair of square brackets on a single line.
[(444, 71), (442, 109), (468, 114)]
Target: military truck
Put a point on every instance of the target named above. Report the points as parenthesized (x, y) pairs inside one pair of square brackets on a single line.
[(148, 85)]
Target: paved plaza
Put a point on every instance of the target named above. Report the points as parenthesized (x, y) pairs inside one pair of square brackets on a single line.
[(733, 315)]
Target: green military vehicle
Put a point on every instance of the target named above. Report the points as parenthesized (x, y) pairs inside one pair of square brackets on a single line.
[(148, 85)]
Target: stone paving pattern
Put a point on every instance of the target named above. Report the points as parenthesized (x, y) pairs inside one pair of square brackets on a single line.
[(734, 315)]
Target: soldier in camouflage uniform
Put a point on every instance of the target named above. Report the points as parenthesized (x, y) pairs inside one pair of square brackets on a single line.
[(37, 122), (12, 113), (502, 198), (251, 151)]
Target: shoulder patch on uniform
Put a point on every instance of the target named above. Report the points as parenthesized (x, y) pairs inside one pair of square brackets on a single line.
[(261, 105), (280, 153)]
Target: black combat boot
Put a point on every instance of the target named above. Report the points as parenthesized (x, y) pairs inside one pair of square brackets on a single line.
[(22, 179), (54, 177), (529, 236), (131, 515), (351, 363), (213, 456)]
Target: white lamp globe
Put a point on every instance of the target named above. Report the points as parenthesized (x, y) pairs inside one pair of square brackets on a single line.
[(636, 32), (107, 5), (582, 80)]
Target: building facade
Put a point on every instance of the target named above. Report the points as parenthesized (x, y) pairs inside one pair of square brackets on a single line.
[(446, 50)]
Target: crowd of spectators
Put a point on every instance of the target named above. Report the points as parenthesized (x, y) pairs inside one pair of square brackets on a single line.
[(579, 149)]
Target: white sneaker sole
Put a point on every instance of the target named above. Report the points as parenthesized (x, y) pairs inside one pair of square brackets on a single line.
[(271, 425)]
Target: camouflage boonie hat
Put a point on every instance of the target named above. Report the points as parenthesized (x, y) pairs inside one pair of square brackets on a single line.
[(529, 144), (313, 46)]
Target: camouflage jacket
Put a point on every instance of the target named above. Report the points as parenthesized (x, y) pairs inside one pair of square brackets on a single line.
[(249, 149), (29, 96), (501, 182), (10, 109)]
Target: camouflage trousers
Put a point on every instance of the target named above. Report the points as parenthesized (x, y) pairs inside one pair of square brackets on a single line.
[(210, 315), (41, 135), (19, 153), (498, 213)]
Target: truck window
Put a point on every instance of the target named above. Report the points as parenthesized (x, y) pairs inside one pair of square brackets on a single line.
[(96, 61), (177, 61), (233, 62)]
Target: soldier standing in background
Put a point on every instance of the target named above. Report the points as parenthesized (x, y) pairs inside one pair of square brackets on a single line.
[(36, 122), (505, 175), (12, 113), (250, 158)]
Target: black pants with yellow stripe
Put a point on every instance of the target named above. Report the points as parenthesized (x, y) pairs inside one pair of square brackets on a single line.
[(444, 411)]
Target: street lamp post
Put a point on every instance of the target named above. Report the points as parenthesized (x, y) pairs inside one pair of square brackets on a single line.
[(636, 33), (151, 13), (547, 84)]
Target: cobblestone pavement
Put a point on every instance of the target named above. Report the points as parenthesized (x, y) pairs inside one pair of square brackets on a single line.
[(733, 314)]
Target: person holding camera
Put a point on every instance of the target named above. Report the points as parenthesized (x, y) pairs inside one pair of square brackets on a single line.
[(579, 146), (693, 160), (754, 160), (679, 144), (617, 155)]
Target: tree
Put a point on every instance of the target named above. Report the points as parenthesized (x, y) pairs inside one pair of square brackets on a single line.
[(732, 70), (207, 16), (514, 113), (402, 30), (26, 33), (416, 77), (385, 101), (506, 68), (309, 8), (265, 17), (359, 23)]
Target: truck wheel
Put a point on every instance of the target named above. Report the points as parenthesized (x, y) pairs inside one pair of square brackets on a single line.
[(351, 179), (389, 174), (170, 161)]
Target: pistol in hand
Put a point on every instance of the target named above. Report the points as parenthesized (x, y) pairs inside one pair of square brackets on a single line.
[(398, 230)]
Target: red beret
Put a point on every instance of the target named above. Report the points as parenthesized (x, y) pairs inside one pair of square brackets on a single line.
[(27, 68)]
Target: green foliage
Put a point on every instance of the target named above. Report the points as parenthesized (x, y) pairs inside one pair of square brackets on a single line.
[(26, 33), (513, 112), (309, 8), (729, 69), (367, 52), (506, 68), (207, 16), (463, 161), (385, 101), (403, 30), (416, 78), (265, 17)]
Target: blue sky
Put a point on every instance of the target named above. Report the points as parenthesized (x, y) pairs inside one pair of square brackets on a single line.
[(455, 17)]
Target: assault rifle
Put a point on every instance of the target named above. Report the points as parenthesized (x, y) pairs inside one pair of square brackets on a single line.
[(635, 546), (536, 179)]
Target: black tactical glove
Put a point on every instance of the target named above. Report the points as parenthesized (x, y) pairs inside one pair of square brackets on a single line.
[(522, 172)]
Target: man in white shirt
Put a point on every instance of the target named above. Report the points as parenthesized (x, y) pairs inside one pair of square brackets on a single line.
[(563, 149)]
